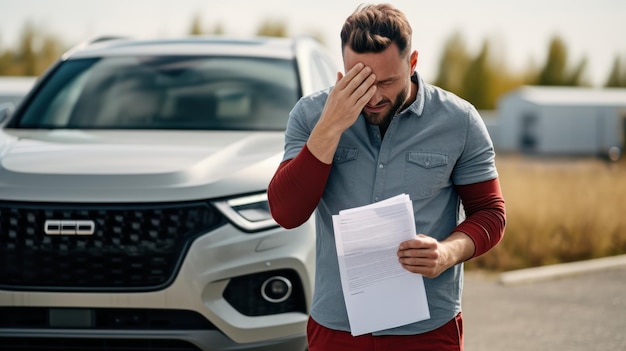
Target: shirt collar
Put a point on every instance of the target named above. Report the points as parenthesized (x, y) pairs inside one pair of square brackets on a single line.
[(417, 107)]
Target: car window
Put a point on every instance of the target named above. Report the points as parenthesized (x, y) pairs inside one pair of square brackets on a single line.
[(323, 70), (171, 92)]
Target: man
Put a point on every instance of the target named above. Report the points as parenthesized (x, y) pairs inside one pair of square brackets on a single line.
[(379, 132)]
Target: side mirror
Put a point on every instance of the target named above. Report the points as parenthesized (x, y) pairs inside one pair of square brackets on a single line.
[(6, 108)]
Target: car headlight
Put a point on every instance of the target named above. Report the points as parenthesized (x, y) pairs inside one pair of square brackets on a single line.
[(250, 213)]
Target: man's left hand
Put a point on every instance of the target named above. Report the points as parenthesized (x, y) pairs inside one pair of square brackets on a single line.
[(429, 257)]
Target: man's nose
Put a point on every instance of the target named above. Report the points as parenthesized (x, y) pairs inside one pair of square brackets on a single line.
[(375, 100)]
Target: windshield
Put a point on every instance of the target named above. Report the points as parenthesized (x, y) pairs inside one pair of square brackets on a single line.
[(224, 93)]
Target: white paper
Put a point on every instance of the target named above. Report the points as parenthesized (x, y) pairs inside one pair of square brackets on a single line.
[(378, 292)]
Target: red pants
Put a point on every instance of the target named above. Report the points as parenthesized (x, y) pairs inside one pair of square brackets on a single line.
[(448, 337)]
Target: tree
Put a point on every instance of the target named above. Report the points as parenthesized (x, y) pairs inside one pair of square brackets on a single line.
[(555, 70), (453, 64), (273, 28), (218, 29), (35, 52), (617, 77), (51, 49), (26, 53), (479, 80), (6, 61), (196, 26), (576, 75)]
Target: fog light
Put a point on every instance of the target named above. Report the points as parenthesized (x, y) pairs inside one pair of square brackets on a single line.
[(276, 289), (252, 295)]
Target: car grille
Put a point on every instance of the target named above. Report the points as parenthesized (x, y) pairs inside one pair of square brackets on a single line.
[(94, 344), (128, 247)]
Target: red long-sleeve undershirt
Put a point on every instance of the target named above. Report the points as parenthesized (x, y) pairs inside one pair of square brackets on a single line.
[(298, 185)]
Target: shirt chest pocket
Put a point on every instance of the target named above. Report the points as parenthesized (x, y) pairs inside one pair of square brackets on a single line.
[(345, 154), (344, 176), (425, 173)]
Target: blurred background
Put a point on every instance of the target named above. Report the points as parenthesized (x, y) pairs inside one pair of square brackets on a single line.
[(564, 202), (504, 44)]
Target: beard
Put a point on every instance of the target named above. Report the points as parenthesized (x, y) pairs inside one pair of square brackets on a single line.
[(384, 119)]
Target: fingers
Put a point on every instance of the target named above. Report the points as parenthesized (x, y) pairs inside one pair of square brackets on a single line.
[(348, 98), (428, 271), (420, 255), (420, 241), (356, 70), (418, 252), (339, 76), (358, 81), (357, 86)]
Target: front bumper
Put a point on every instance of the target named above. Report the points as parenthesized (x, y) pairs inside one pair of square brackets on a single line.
[(211, 263)]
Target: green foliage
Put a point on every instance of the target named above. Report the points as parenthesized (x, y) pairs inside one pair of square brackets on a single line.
[(6, 62), (479, 80), (26, 53), (617, 77), (196, 27), (218, 29), (273, 28), (483, 78), (36, 51), (555, 70), (453, 64)]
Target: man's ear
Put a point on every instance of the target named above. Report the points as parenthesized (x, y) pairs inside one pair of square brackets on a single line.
[(413, 60)]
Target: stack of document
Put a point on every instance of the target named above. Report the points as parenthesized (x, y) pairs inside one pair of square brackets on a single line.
[(378, 292)]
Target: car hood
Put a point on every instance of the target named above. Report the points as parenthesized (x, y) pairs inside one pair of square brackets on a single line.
[(134, 166)]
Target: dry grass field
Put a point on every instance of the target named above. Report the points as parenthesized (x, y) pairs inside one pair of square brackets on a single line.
[(558, 210)]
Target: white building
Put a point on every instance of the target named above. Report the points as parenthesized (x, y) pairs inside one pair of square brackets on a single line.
[(562, 121)]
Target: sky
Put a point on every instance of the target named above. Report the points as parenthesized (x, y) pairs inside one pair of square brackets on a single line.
[(519, 31)]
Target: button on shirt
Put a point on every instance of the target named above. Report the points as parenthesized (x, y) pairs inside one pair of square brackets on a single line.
[(438, 141)]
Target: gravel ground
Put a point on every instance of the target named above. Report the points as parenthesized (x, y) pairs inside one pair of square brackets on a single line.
[(582, 312)]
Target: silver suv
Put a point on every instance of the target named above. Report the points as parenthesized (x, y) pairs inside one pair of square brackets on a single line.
[(133, 212)]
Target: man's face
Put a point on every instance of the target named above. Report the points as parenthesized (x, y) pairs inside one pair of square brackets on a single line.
[(393, 82)]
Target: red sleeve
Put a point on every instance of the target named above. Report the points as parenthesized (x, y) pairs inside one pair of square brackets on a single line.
[(486, 214), (296, 189)]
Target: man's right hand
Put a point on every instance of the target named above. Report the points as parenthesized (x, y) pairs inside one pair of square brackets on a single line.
[(345, 102)]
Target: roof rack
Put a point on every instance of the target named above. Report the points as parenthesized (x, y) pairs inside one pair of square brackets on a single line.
[(93, 40), (102, 38)]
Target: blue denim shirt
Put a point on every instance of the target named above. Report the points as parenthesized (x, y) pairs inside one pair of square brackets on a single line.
[(438, 141)]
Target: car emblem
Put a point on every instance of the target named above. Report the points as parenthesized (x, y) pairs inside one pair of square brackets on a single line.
[(69, 227)]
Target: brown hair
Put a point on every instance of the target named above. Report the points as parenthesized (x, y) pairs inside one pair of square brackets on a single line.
[(372, 28)]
